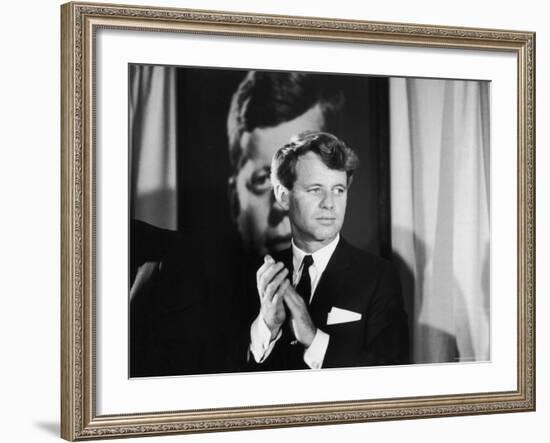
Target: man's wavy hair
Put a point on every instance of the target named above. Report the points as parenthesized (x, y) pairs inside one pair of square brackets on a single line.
[(331, 150), (268, 99)]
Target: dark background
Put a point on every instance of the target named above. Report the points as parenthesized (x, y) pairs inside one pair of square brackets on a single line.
[(203, 166), (201, 297)]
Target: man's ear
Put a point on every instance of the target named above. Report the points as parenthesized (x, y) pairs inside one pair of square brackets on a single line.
[(281, 195), (233, 198)]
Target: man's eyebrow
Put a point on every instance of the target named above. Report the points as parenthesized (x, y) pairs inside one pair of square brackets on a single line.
[(308, 185)]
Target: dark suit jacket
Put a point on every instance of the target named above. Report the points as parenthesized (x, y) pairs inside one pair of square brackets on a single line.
[(190, 313), (356, 281)]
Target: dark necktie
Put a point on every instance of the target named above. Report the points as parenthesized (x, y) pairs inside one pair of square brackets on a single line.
[(304, 285)]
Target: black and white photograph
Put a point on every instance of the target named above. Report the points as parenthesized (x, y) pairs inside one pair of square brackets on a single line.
[(283, 220), (290, 221)]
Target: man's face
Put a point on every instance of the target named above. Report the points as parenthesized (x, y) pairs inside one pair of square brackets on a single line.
[(263, 223), (316, 203)]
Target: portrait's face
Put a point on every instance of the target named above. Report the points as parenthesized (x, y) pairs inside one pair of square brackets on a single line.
[(316, 203), (262, 222)]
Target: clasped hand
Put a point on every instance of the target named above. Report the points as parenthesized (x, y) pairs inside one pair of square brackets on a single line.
[(275, 291)]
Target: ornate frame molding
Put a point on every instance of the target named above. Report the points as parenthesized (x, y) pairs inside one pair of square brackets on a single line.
[(79, 23)]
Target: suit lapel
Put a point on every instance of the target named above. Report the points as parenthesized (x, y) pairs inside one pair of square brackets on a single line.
[(327, 291), (330, 286)]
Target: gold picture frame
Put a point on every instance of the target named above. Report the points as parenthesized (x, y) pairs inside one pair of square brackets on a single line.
[(79, 22)]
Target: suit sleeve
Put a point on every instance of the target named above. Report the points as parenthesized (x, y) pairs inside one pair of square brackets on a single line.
[(381, 337)]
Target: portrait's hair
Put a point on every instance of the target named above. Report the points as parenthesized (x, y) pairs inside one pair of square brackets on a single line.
[(331, 150), (267, 99)]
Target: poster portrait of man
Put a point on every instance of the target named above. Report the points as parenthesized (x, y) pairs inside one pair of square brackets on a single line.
[(293, 220)]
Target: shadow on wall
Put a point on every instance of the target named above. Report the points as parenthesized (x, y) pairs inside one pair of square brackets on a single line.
[(157, 208), (428, 343), (440, 320), (48, 427)]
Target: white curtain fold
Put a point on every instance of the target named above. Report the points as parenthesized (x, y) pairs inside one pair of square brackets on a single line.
[(152, 114), (439, 154)]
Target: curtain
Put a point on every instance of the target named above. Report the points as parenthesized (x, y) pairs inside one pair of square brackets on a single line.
[(152, 114), (440, 180)]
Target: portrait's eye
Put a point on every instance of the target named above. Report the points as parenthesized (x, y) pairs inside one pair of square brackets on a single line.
[(339, 191), (314, 190), (260, 181)]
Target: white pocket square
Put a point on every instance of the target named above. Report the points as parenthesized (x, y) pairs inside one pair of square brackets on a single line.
[(337, 315)]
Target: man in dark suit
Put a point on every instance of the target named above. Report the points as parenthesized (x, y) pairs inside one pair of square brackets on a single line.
[(323, 303), (186, 302)]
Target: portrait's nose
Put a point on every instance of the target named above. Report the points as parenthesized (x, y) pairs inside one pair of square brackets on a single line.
[(327, 200)]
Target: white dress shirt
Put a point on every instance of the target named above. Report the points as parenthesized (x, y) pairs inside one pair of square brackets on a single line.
[(261, 344)]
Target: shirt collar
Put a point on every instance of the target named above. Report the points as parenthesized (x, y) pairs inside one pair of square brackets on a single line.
[(321, 257)]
